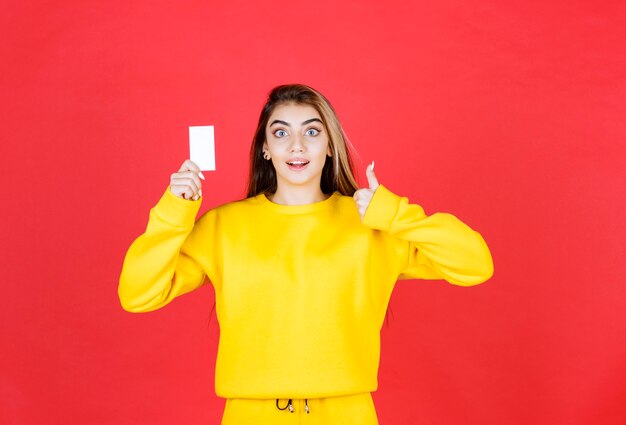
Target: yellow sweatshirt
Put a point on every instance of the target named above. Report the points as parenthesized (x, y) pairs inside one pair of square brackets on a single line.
[(301, 291)]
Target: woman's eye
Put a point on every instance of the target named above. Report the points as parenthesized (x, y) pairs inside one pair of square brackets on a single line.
[(312, 132), (280, 133)]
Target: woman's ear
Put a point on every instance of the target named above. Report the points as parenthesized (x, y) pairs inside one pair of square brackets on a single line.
[(266, 151), (329, 151)]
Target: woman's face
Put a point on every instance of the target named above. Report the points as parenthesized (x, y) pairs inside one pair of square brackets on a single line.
[(297, 143)]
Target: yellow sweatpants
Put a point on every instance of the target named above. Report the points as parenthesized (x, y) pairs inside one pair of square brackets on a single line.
[(357, 409)]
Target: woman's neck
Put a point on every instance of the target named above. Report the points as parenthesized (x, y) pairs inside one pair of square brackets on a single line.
[(297, 197)]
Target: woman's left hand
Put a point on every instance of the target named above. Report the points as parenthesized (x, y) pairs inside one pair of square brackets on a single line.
[(363, 197)]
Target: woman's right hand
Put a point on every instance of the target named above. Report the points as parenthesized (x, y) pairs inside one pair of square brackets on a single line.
[(186, 182)]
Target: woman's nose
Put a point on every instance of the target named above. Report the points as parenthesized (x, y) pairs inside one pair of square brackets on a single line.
[(296, 144)]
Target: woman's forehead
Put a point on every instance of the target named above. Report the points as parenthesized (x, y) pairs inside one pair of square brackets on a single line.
[(294, 113)]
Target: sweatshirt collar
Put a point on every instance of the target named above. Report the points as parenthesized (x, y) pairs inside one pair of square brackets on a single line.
[(298, 209)]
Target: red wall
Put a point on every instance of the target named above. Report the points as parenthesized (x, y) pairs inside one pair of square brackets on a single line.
[(510, 116)]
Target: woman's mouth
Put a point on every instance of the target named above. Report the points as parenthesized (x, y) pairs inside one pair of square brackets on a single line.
[(297, 164)]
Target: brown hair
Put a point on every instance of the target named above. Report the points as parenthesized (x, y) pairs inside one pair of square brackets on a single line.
[(337, 174)]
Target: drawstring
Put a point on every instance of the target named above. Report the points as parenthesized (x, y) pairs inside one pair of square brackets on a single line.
[(290, 406)]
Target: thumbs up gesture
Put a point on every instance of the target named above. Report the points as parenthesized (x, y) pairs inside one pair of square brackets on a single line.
[(363, 197)]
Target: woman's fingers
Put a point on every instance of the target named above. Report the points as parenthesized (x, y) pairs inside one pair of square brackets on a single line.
[(187, 177), (186, 182), (185, 185), (189, 165), (372, 181), (362, 199)]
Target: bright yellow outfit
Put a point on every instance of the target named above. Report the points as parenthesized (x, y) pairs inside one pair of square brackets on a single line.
[(301, 291)]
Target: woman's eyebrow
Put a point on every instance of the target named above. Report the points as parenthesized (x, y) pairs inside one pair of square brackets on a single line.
[(280, 122), (289, 125)]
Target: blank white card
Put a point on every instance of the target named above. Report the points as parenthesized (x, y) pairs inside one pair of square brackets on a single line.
[(202, 146)]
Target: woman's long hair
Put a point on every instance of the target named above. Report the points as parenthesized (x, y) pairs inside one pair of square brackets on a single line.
[(337, 174)]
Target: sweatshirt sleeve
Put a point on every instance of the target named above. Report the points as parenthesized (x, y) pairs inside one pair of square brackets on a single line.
[(440, 246), (161, 264)]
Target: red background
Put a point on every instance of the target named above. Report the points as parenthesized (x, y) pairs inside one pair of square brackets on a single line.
[(511, 116)]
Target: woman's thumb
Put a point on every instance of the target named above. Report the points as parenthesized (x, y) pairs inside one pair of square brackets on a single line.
[(372, 181)]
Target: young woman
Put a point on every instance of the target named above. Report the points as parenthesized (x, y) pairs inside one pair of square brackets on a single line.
[(302, 269)]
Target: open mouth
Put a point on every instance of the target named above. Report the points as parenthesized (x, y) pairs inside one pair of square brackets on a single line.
[(297, 165)]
